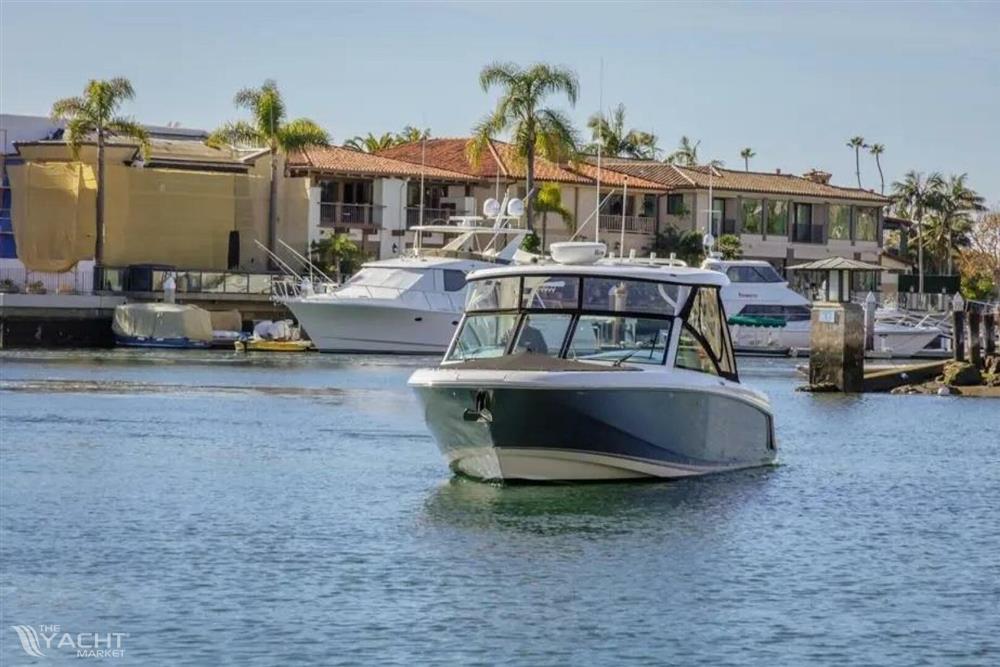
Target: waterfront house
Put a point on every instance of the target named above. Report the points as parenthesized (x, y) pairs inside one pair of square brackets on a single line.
[(782, 218), (374, 199), (501, 170)]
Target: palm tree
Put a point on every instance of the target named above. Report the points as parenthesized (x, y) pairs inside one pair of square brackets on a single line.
[(952, 203), (912, 197), (746, 154), (371, 143), (534, 129), (857, 143), (96, 113), (268, 128), (876, 150), (686, 153), (550, 201), (412, 134), (616, 141)]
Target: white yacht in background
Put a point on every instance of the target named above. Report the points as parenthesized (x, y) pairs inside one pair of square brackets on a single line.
[(411, 304), (767, 315), (592, 371)]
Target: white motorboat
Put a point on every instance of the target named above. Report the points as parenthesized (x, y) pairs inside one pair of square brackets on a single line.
[(767, 315), (411, 304), (594, 372)]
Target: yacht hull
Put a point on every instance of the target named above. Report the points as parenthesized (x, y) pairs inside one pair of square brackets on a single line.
[(364, 326), (502, 433), (901, 341)]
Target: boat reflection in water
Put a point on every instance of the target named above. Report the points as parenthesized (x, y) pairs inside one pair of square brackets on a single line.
[(594, 371)]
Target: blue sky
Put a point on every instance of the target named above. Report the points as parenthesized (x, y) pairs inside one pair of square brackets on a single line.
[(792, 80)]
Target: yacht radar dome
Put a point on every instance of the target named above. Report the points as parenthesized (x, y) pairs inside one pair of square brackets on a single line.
[(491, 208), (578, 252), (515, 208)]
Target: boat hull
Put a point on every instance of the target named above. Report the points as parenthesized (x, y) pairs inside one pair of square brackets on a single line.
[(500, 433), (901, 341), (162, 343), (368, 326)]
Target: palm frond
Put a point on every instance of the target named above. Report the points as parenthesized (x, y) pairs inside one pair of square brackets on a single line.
[(499, 73), (126, 127), (239, 133), (556, 137), (69, 107), (301, 133), (78, 130)]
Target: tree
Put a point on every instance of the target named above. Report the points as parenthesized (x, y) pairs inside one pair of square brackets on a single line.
[(730, 246), (686, 154), (877, 150), (981, 258), (95, 113), (952, 202), (857, 143), (686, 245), (337, 254), (746, 154), (268, 128), (534, 129), (550, 201), (412, 134), (912, 197), (616, 141), (371, 143)]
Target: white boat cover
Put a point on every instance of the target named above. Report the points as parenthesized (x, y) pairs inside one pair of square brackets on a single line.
[(162, 320)]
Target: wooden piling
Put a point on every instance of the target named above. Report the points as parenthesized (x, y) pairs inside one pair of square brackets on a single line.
[(989, 334), (975, 355), (958, 335)]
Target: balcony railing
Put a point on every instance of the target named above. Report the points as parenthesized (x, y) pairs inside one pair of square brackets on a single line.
[(634, 224), (339, 213), (431, 215), (807, 233), (137, 279)]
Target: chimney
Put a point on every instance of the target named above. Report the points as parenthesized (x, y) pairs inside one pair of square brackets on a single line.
[(818, 176)]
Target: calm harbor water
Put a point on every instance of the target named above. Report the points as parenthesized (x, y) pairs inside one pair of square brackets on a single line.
[(275, 510)]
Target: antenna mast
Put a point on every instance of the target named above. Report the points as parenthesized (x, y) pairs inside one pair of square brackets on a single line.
[(600, 142)]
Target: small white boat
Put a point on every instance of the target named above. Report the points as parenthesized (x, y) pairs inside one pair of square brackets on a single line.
[(411, 304), (594, 372), (757, 292)]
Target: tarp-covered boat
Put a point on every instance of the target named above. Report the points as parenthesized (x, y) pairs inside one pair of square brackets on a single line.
[(162, 325)]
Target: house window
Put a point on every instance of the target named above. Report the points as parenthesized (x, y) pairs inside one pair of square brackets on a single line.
[(803, 230), (777, 217), (753, 211), (840, 222), (357, 192), (649, 206), (328, 191), (866, 224), (675, 205), (718, 215)]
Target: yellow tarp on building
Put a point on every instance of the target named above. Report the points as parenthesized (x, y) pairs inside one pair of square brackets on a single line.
[(53, 213), (161, 216)]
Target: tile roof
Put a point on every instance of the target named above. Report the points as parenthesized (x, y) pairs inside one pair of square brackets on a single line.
[(447, 154), (676, 176), (349, 161), (501, 157), (615, 178)]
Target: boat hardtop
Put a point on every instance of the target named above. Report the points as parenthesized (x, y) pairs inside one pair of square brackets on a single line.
[(682, 275)]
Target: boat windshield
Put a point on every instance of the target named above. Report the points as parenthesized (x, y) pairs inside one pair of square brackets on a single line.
[(383, 276), (753, 274), (596, 318)]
